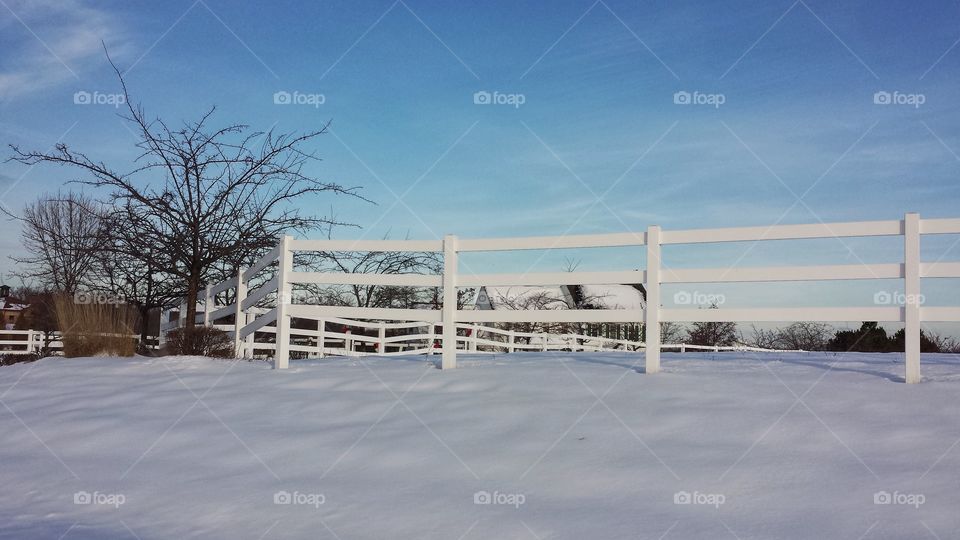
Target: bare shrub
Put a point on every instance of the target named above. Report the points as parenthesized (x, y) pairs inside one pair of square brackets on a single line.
[(11, 359), (200, 341), (761, 338), (806, 336), (944, 344)]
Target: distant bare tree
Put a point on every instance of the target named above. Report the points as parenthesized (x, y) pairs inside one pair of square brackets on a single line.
[(523, 299), (374, 262), (131, 270), (807, 336), (712, 333), (671, 332), (201, 196), (577, 298), (761, 338), (64, 235)]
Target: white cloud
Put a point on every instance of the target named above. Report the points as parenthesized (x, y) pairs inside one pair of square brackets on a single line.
[(52, 42)]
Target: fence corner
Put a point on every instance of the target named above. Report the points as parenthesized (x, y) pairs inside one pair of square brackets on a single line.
[(652, 308), (448, 314), (911, 290)]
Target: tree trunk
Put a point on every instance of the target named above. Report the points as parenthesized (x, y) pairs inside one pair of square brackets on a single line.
[(144, 326), (193, 288)]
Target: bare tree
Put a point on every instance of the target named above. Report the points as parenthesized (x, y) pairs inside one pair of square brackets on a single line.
[(225, 195), (761, 338), (532, 298), (671, 332), (374, 262), (806, 336), (712, 333), (131, 270), (64, 235)]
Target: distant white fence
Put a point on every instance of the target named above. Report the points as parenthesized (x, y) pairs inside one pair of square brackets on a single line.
[(250, 319), (34, 342), (26, 342)]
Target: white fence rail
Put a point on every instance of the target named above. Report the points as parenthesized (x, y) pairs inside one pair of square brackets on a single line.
[(26, 342), (249, 320), (35, 342)]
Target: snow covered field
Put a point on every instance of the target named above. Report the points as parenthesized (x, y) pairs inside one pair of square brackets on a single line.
[(577, 446)]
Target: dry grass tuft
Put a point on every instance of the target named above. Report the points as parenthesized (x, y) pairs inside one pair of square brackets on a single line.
[(91, 329)]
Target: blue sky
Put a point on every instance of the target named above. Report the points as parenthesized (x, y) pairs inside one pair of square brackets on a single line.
[(597, 80)]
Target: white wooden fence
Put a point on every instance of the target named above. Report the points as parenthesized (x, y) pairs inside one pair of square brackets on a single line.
[(33, 342), (250, 319), (26, 342)]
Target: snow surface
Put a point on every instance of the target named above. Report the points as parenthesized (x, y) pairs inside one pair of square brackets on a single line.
[(794, 445)]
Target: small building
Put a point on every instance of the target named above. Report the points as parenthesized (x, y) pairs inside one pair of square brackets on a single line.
[(10, 308)]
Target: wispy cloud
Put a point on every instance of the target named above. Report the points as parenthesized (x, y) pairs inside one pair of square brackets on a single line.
[(52, 42)]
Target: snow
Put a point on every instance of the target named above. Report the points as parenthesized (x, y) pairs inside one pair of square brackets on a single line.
[(791, 445), (614, 296)]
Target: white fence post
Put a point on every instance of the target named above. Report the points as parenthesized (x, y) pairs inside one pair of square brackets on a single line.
[(250, 340), (207, 300), (321, 336), (473, 335), (449, 313), (511, 338), (911, 292), (239, 321), (652, 311), (381, 338), (281, 356)]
